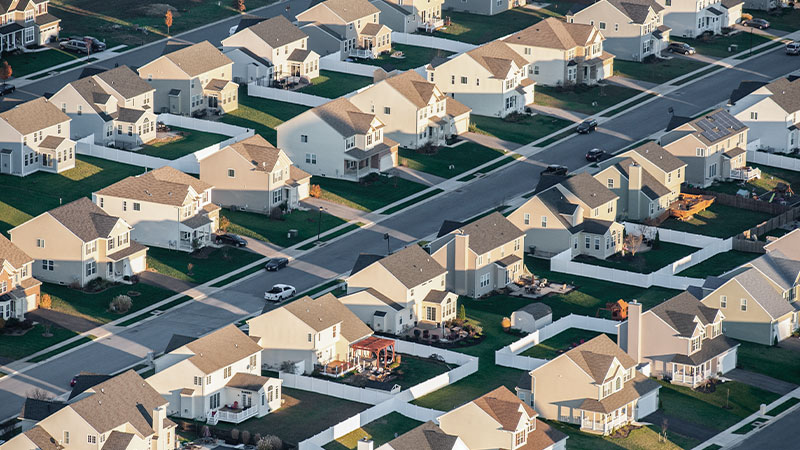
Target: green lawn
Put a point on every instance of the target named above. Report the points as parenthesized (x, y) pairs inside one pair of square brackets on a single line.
[(335, 84), (529, 129), (659, 71), (783, 406), (412, 371), (717, 46), (94, 306), (770, 177), (463, 157), (645, 438), (643, 262), (260, 226), (478, 29), (23, 198), (719, 221), (366, 197), (27, 63), (560, 343), (413, 57), (777, 362), (580, 98), (261, 114), (380, 431), (220, 261), (17, 347), (189, 142), (718, 264), (781, 19)]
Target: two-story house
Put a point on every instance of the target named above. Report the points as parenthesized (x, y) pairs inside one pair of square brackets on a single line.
[(561, 53), (254, 175), (594, 385), (25, 23), (394, 293), (416, 112), (216, 377), (350, 27), (338, 140), (485, 7), (712, 146), (427, 436), (34, 136), (691, 18), (19, 290), (408, 16), (681, 339), (190, 80), (771, 111), (78, 242), (633, 29), (500, 420), (281, 43), (116, 106), (577, 213), (166, 208), (480, 256), (647, 180)]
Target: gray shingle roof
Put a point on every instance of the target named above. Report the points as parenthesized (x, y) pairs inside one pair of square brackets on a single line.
[(538, 310), (589, 190), (711, 348), (412, 266), (33, 116), (659, 156), (221, 348), (779, 268), (247, 381), (165, 185), (786, 94), (277, 31), (763, 292), (636, 10), (351, 10), (680, 312), (85, 219), (593, 226), (650, 185), (324, 312), (596, 355), (344, 117), (490, 232), (125, 81)]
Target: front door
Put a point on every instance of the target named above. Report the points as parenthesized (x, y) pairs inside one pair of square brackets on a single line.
[(247, 400), (5, 162)]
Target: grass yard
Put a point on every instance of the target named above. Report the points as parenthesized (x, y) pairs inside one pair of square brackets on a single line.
[(335, 84), (580, 98), (24, 198), (220, 261), (657, 72), (478, 29), (27, 63), (783, 406), (366, 197), (645, 438), (717, 46), (524, 131), (17, 347), (560, 343), (262, 227), (262, 115), (643, 262), (413, 57), (94, 306), (187, 143), (719, 221), (777, 362), (781, 19), (381, 431), (463, 157), (770, 177), (414, 370), (718, 264)]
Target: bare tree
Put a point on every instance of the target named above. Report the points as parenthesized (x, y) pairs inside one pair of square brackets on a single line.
[(269, 442), (38, 394), (632, 243), (662, 437)]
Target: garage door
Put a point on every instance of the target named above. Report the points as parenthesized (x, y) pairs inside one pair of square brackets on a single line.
[(784, 329), (727, 362), (647, 404)]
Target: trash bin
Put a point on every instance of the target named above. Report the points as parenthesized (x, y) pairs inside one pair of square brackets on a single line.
[(733, 48), (291, 234)]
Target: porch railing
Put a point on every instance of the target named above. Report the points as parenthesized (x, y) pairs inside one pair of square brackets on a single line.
[(432, 25), (746, 173), (604, 426), (360, 53), (237, 416)]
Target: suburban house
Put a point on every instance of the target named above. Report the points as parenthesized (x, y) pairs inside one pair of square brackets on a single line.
[(394, 293), (759, 298), (594, 385), (416, 112), (338, 140), (500, 420), (34, 136), (35, 410), (532, 317), (254, 175), (408, 16), (561, 53), (427, 436), (216, 377), (116, 106), (166, 208), (192, 80), (27, 24), (485, 7), (78, 242), (480, 256), (689, 18), (577, 213), (647, 180), (733, 12), (122, 413), (712, 146), (279, 42), (681, 339), (350, 27), (633, 29), (310, 332), (249, 67), (19, 291), (771, 111), (491, 79)]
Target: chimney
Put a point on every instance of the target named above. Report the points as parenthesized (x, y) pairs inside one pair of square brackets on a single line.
[(461, 265), (158, 420), (634, 336), (365, 444), (634, 187)]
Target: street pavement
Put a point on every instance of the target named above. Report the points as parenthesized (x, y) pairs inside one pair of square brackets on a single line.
[(782, 434)]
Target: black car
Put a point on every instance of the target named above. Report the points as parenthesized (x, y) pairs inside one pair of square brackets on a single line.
[(587, 126), (595, 154), (761, 24), (681, 47), (6, 89), (230, 239), (555, 169), (276, 264)]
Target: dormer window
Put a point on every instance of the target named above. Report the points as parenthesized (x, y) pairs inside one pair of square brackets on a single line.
[(618, 384), (694, 344)]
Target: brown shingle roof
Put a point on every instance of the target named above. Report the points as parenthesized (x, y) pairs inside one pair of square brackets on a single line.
[(258, 151), (634, 388), (324, 312), (373, 29), (85, 219), (786, 94), (455, 108), (427, 436), (166, 185), (117, 440), (412, 266), (12, 254), (125, 81), (504, 407), (554, 33), (414, 87), (221, 348), (42, 439), (657, 155), (51, 142), (344, 117), (247, 381), (588, 190), (496, 57), (490, 232), (596, 355), (198, 58), (277, 31), (33, 116), (351, 10)]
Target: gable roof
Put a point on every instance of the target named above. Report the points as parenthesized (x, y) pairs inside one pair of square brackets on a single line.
[(276, 31), (165, 185), (42, 439), (786, 94), (504, 407), (196, 59), (427, 436), (86, 381), (344, 117), (651, 187), (596, 355), (324, 312), (588, 190), (257, 151), (496, 57), (413, 87), (94, 94), (411, 266), (779, 268), (350, 10), (490, 232), (34, 115), (36, 409), (554, 33), (125, 81), (764, 293), (658, 156), (537, 310), (744, 89), (636, 10), (364, 260), (680, 312), (117, 440), (221, 348), (12, 254), (85, 219), (714, 127)]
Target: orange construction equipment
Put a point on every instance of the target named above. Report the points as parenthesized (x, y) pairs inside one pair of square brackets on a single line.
[(687, 205)]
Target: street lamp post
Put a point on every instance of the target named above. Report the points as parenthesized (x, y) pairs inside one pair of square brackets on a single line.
[(388, 245), (319, 223)]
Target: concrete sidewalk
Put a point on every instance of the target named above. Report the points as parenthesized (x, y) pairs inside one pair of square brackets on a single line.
[(631, 83), (490, 141), (416, 176), (572, 116)]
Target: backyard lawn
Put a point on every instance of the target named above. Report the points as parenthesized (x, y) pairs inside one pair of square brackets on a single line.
[(777, 362), (262, 115), (719, 221), (717, 46), (219, 261), (366, 197), (581, 98), (526, 130), (188, 142), (718, 264), (27, 63), (17, 347), (262, 227), (381, 431), (784, 19), (560, 343), (478, 29), (413, 57), (770, 177), (335, 84), (659, 71), (644, 261), (645, 438), (94, 306), (463, 157)]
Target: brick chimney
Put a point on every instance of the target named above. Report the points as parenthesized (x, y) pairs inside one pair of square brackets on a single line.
[(634, 337)]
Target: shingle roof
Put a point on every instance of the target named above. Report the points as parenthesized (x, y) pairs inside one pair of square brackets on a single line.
[(588, 190), (364, 260), (537, 310), (373, 29), (650, 186), (351, 10), (36, 410), (299, 55), (125, 81), (786, 94), (596, 355), (389, 302), (42, 439), (94, 93), (86, 381), (413, 87), (129, 115), (221, 348), (711, 348), (344, 117), (13, 254), (762, 291), (788, 244), (455, 108), (324, 312), (779, 268), (680, 313), (247, 381), (277, 31), (744, 89), (496, 57), (85, 219), (197, 59), (554, 33), (165, 185), (543, 437), (634, 388), (33, 116), (258, 151), (731, 3), (636, 10), (427, 436), (490, 232), (412, 266), (659, 156), (117, 440), (504, 407)]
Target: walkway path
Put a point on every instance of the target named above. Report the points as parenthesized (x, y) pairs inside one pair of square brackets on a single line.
[(417, 176), (558, 112), (761, 381), (630, 83), (490, 141)]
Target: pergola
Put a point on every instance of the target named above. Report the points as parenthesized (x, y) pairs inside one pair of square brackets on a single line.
[(373, 346)]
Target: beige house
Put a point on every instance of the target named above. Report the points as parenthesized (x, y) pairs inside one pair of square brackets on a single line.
[(338, 140), (281, 43), (253, 175), (408, 16), (576, 213), (712, 146), (594, 385), (681, 339), (491, 79), (350, 27), (166, 208), (116, 106), (481, 256), (215, 378), (499, 420), (394, 293), (19, 291), (34, 136), (122, 413), (27, 23), (192, 80), (427, 436), (771, 111), (485, 7), (561, 53), (415, 111)]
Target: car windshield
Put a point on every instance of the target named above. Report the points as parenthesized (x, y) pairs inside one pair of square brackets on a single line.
[(275, 290)]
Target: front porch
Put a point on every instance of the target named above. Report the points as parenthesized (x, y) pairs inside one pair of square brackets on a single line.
[(359, 163), (605, 423), (689, 375), (196, 231)]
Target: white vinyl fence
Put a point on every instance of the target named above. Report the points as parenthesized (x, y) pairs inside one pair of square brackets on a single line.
[(773, 160), (421, 40), (333, 63), (285, 95)]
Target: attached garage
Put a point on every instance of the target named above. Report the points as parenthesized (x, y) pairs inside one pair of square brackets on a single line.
[(783, 328), (647, 404), (727, 361)]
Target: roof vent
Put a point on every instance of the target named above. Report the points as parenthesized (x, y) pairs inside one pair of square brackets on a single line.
[(103, 390)]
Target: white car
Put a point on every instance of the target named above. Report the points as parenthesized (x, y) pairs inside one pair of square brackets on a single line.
[(279, 292)]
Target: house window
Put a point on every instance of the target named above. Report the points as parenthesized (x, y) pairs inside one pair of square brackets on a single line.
[(198, 381), (137, 206), (544, 221), (526, 218), (700, 152), (80, 110), (28, 35), (753, 115), (309, 337), (208, 379), (694, 344), (484, 281), (617, 384), (334, 331), (304, 138), (602, 25), (91, 268), (463, 80), (610, 183), (588, 242), (387, 110), (452, 79), (519, 438), (723, 301), (536, 70), (124, 205), (66, 437), (597, 243), (213, 401), (616, 25), (231, 173), (40, 243), (479, 260), (226, 372), (516, 244), (744, 304), (47, 264), (252, 361), (311, 158)]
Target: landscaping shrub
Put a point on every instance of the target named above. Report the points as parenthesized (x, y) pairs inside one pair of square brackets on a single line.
[(121, 304), (245, 437), (2, 323), (505, 323), (45, 302), (235, 434), (270, 442)]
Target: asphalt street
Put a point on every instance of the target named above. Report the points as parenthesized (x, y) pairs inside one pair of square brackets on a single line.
[(778, 435)]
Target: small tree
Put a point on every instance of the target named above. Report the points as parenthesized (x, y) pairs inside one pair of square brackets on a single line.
[(462, 313), (168, 20), (224, 223), (5, 72), (505, 323), (189, 268), (632, 243), (657, 241), (121, 304), (269, 442), (663, 435), (38, 394), (315, 191), (45, 302), (239, 4)]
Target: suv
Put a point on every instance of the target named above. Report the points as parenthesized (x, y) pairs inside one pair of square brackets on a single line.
[(682, 48), (6, 89), (793, 48), (761, 24), (587, 126), (97, 45), (555, 169), (595, 155), (74, 45)]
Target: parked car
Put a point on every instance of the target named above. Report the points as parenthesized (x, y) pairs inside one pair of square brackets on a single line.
[(761, 24), (681, 47), (97, 45), (793, 48), (74, 45), (276, 264), (230, 239), (6, 89), (587, 126), (595, 154), (279, 292), (555, 169)]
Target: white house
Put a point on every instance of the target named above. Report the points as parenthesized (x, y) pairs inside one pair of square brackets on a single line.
[(691, 18), (408, 16), (350, 27), (771, 111)]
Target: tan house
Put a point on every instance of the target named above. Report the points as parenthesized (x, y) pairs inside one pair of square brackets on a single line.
[(577, 213), (78, 242), (19, 291), (27, 23), (192, 80), (415, 111), (351, 27), (394, 293), (481, 256), (681, 339), (561, 53), (254, 175), (594, 385), (427, 436), (499, 420), (408, 16), (34, 136)]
